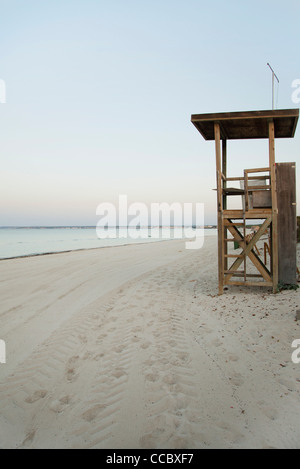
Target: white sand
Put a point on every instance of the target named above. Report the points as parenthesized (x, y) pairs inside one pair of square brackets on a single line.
[(130, 347)]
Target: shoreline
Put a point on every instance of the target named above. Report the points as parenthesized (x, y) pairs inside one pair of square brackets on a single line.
[(81, 242), (25, 256)]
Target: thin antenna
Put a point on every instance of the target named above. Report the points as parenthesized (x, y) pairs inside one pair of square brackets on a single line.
[(273, 76)]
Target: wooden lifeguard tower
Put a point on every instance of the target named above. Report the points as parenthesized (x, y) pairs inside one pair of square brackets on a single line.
[(267, 194)]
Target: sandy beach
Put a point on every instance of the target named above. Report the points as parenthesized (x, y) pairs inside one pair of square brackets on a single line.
[(130, 347)]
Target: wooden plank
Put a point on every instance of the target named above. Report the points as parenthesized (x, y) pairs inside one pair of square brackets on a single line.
[(287, 223), (239, 214), (233, 256), (260, 178), (217, 135), (261, 199), (225, 250), (224, 201), (223, 131), (257, 170), (224, 171), (274, 238), (249, 178), (240, 273), (218, 166), (235, 179), (246, 203), (231, 191), (230, 223), (295, 125), (247, 125), (249, 252), (220, 254), (260, 266), (249, 284), (268, 114), (259, 188)]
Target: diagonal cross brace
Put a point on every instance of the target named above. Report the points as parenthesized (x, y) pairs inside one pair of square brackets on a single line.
[(248, 250)]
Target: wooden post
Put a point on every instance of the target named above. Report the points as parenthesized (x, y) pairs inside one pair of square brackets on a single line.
[(286, 223), (224, 171), (220, 207), (274, 248)]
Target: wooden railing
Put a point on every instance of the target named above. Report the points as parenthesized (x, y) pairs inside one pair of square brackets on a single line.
[(248, 188)]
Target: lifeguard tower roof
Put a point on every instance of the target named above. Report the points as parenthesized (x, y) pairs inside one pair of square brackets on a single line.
[(247, 125)]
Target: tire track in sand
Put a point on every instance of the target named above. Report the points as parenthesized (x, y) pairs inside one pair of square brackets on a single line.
[(88, 358)]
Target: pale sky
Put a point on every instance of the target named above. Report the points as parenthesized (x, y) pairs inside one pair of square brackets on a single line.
[(99, 96)]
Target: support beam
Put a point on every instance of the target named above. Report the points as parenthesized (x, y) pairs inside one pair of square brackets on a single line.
[(274, 236), (220, 207), (224, 200), (248, 251), (224, 170), (218, 166)]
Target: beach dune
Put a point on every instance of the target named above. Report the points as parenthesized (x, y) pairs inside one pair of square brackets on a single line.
[(130, 347)]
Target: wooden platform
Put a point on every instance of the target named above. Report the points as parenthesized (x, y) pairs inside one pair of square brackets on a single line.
[(247, 125)]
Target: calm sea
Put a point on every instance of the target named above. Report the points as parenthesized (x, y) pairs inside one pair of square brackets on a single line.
[(18, 242)]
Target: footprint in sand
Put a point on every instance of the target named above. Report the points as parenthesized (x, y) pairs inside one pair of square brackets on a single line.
[(120, 348), (102, 336), (171, 380), (82, 338), (145, 345), (91, 414), (29, 438), (149, 363), (180, 359), (59, 405), (71, 368), (148, 441), (152, 377), (135, 339), (118, 373), (181, 442), (98, 357), (41, 394)]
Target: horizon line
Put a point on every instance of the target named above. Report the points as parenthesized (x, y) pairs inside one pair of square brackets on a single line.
[(95, 226)]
